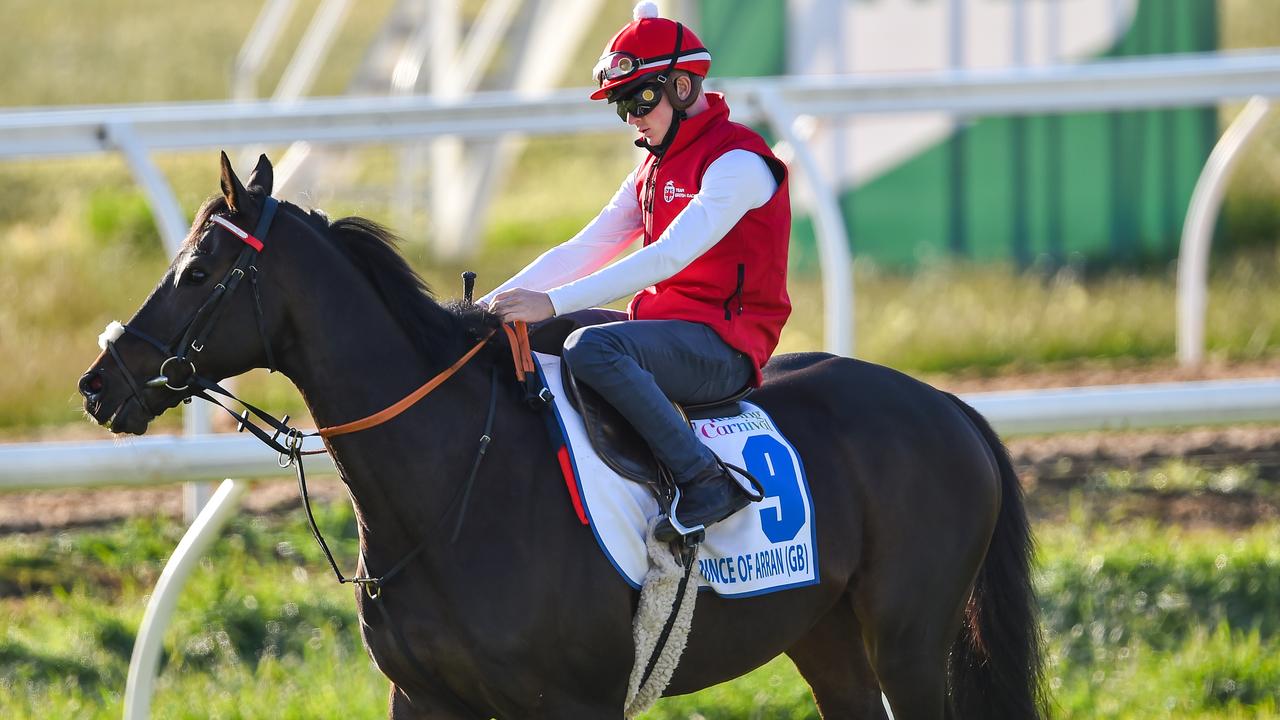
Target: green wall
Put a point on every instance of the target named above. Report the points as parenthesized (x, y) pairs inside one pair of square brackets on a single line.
[(744, 43), (1099, 187)]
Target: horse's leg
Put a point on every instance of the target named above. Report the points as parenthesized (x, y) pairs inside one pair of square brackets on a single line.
[(914, 679), (834, 662), (910, 601)]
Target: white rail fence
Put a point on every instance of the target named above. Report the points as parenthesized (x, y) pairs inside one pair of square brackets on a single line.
[(163, 460), (166, 459), (1140, 83)]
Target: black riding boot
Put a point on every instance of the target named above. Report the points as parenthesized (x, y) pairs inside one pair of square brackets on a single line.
[(708, 498)]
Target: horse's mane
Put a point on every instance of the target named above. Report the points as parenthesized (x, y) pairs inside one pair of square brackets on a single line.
[(441, 333)]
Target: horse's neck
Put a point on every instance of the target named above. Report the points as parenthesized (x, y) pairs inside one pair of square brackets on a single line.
[(350, 359), (345, 351), (349, 364)]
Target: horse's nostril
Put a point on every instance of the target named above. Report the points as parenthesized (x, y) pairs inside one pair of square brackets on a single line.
[(91, 383)]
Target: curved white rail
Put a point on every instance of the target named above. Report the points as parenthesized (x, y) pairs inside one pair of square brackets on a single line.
[(140, 684), (1197, 230)]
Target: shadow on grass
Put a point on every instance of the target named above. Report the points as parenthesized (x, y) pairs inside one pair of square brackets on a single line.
[(18, 662)]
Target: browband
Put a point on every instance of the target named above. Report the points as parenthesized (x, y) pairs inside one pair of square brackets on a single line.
[(264, 225)]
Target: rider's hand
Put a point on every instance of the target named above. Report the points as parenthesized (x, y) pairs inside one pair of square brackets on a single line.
[(520, 304)]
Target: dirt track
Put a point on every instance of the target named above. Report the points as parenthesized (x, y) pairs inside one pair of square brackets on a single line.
[(1051, 468)]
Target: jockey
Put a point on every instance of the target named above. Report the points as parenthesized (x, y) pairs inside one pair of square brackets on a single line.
[(710, 203)]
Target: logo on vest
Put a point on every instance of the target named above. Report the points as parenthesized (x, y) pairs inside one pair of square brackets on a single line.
[(671, 191)]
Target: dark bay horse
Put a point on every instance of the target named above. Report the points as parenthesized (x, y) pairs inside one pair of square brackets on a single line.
[(924, 545)]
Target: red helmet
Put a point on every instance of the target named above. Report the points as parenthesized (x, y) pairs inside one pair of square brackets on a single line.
[(646, 46)]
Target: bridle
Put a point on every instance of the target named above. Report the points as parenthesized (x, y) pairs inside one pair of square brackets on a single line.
[(191, 340)]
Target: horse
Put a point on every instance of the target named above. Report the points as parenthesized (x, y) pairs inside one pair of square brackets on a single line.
[(924, 590)]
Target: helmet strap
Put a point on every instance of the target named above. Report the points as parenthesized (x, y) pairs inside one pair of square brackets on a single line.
[(673, 95), (670, 137)]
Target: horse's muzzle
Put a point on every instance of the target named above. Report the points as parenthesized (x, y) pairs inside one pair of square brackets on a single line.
[(120, 414)]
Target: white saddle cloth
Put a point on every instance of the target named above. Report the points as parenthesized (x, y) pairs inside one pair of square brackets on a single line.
[(765, 547)]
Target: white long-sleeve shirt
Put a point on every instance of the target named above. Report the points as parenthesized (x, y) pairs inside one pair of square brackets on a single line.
[(574, 274)]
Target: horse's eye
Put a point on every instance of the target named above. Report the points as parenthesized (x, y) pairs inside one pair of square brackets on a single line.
[(195, 276)]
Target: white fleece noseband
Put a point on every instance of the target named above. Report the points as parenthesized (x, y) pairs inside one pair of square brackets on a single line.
[(111, 334)]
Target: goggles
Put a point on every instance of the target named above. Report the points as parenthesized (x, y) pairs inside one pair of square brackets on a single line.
[(616, 66), (641, 101)]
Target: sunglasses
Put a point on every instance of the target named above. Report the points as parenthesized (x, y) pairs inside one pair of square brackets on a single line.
[(639, 103)]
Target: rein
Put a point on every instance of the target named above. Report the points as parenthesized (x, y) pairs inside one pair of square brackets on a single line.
[(405, 403), (373, 585)]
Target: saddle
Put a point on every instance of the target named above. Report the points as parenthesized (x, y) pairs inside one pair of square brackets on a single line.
[(617, 442)]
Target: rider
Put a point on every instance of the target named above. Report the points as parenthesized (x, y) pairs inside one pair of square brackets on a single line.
[(710, 296)]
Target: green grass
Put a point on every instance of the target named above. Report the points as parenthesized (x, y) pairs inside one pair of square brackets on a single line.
[(954, 317), (1177, 476), (151, 50), (1147, 622), (1141, 621)]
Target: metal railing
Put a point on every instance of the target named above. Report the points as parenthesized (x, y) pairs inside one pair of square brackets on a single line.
[(1197, 230), (164, 459), (1136, 83), (1116, 84)]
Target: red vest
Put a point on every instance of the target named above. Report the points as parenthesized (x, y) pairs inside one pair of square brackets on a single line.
[(739, 286)]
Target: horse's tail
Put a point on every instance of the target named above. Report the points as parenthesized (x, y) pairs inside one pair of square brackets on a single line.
[(995, 665)]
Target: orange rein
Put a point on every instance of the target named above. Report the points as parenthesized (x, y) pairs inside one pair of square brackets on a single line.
[(520, 352)]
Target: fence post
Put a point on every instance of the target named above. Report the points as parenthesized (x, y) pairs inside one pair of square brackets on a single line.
[(1197, 230)]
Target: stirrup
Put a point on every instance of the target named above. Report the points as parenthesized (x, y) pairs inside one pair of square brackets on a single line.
[(688, 535)]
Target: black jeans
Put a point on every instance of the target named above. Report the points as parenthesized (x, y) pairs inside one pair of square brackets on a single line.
[(639, 366)]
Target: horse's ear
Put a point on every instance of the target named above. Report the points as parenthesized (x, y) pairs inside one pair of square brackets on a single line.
[(261, 178), (232, 190)]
